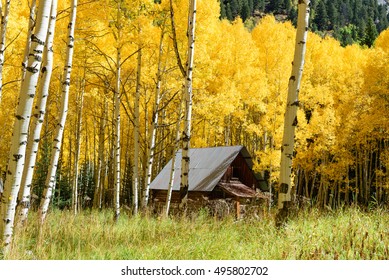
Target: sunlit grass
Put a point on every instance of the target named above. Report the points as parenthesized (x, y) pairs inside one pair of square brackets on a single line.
[(348, 234)]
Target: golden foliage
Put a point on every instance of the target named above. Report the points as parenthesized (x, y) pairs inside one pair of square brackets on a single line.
[(240, 85)]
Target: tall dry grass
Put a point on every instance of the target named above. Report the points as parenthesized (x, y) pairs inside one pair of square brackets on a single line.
[(347, 234)]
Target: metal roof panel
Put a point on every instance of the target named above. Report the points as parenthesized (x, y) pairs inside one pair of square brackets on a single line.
[(206, 167)]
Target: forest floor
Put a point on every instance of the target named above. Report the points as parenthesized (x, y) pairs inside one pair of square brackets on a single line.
[(349, 234)]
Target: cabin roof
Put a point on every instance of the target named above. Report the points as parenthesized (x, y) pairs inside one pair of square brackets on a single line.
[(206, 168)]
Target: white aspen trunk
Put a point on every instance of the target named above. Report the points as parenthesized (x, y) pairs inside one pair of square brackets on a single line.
[(290, 122), (100, 160), (75, 201), (31, 25), (117, 138), (174, 35), (117, 147), (37, 121), (136, 134), (3, 32), (172, 170), (154, 124), (184, 185), (51, 175), (22, 120)]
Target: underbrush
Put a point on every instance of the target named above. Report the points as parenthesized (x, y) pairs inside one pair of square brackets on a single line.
[(312, 234)]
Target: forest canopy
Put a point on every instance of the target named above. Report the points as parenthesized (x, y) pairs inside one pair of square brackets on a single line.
[(351, 21)]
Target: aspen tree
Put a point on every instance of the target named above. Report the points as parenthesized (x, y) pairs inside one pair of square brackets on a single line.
[(97, 199), (38, 117), (184, 185), (136, 133), (150, 158), (31, 25), (80, 102), (172, 170), (290, 122), (3, 32), (51, 175), (117, 148), (20, 130), (174, 35)]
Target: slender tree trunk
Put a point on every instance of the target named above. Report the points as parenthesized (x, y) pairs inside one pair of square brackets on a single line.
[(100, 160), (79, 106), (20, 130), (117, 137), (51, 175), (154, 121), (290, 123), (37, 121), (175, 45), (136, 134), (172, 170), (3, 32), (31, 25), (184, 186)]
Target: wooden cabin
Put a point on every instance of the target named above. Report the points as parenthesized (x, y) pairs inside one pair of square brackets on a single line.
[(219, 175)]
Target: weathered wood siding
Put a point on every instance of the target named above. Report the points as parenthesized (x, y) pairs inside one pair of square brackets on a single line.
[(243, 172)]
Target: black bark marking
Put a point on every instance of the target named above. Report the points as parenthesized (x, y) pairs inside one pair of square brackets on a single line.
[(295, 121), (183, 192), (37, 40), (187, 159), (17, 156), (32, 69), (292, 78), (296, 103), (38, 57)]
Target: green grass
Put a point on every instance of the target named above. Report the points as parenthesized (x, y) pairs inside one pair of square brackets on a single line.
[(349, 234)]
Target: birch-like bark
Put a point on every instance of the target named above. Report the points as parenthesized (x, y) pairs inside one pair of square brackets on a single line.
[(174, 35), (136, 133), (154, 123), (117, 148), (99, 174), (51, 175), (117, 137), (31, 25), (20, 130), (77, 150), (172, 170), (37, 121), (184, 185), (290, 122), (3, 32)]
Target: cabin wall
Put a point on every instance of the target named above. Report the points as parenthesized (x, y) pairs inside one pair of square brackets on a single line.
[(218, 203), (243, 172)]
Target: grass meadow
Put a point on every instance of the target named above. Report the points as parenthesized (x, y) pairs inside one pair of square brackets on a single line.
[(350, 234)]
